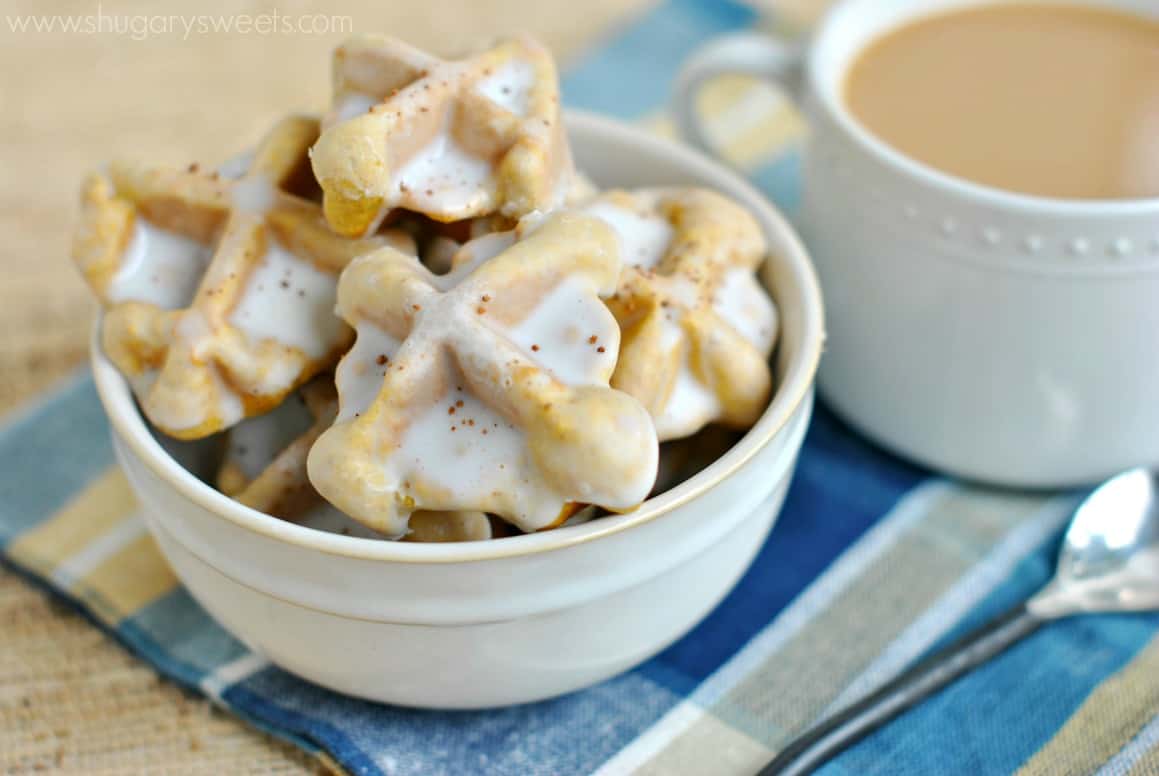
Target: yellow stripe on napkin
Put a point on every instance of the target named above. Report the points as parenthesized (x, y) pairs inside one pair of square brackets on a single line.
[(94, 511), (97, 548), (127, 580), (1106, 722), (749, 121)]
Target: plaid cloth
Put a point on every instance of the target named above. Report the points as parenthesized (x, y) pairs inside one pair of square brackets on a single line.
[(872, 563)]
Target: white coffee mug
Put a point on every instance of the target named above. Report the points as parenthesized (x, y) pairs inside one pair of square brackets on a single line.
[(997, 336)]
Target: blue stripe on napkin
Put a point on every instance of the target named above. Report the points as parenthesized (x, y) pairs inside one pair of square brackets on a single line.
[(841, 487), (629, 76), (39, 474)]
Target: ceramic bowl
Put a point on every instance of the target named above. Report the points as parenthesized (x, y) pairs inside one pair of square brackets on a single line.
[(508, 621)]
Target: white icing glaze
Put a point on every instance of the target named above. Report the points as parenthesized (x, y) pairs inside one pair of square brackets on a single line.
[(509, 86), (689, 405), (192, 325), (229, 407), (279, 374), (745, 306), (559, 333), (254, 194), (467, 448), (359, 374), (481, 249), (236, 166), (353, 104), (683, 291), (563, 190), (580, 188), (643, 239), (289, 300), (160, 267), (472, 452), (443, 176), (255, 442)]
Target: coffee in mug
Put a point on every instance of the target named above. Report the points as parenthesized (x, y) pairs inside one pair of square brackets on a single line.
[(1047, 99)]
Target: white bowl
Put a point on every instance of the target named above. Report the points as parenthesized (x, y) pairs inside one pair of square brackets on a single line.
[(519, 619)]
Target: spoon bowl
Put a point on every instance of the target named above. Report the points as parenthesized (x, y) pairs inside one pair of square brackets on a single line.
[(1109, 561)]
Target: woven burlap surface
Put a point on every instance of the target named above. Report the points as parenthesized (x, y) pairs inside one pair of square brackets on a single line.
[(70, 699)]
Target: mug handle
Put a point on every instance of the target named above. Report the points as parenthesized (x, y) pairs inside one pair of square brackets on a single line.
[(744, 53)]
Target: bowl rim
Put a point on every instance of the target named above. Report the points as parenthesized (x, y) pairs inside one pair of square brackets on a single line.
[(795, 387)]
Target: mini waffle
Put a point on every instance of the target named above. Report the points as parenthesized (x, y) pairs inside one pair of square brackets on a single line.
[(449, 139), (697, 327), (218, 292), (487, 388)]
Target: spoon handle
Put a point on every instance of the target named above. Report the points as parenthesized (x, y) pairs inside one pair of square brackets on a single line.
[(830, 736)]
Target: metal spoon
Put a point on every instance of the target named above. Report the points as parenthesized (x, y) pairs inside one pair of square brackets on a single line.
[(1109, 562)]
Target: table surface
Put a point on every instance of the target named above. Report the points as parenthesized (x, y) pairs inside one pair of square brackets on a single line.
[(70, 699)]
